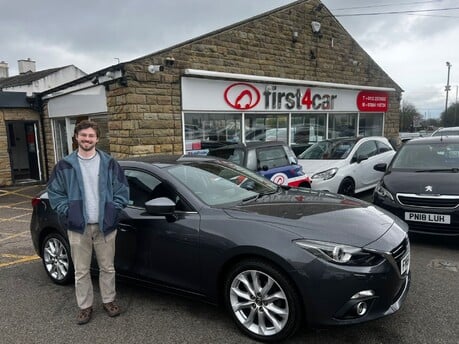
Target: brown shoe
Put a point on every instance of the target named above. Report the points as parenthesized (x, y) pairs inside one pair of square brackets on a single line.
[(112, 309), (84, 315)]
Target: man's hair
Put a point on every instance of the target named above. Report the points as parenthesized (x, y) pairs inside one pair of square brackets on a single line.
[(85, 124)]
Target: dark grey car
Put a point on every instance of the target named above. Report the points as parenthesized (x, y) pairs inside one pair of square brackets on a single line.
[(276, 257)]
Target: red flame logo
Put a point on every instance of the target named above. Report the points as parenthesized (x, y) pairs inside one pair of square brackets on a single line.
[(242, 96)]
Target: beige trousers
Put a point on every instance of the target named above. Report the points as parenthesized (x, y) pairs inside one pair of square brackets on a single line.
[(81, 250)]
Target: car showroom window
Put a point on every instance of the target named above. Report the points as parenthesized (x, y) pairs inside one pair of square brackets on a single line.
[(266, 127), (307, 128), (371, 124), (342, 125), (209, 130)]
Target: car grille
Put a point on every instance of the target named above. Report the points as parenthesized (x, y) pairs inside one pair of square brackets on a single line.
[(399, 252), (433, 228), (442, 201)]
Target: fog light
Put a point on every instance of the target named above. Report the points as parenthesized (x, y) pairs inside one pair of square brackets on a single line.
[(361, 308), (363, 293)]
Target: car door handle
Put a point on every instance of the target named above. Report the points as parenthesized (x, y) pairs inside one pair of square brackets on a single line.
[(123, 227)]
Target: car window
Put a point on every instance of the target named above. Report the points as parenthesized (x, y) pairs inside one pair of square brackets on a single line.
[(382, 147), (141, 186), (144, 187), (271, 157), (367, 149), (235, 155)]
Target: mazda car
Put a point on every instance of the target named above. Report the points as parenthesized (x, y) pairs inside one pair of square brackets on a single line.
[(276, 257), (421, 185)]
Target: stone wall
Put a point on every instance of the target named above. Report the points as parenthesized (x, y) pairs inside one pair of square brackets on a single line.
[(146, 114)]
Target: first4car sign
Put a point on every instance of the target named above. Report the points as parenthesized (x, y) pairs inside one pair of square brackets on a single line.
[(205, 94)]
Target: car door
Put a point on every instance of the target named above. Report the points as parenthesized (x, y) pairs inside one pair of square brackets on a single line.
[(364, 173), (159, 249)]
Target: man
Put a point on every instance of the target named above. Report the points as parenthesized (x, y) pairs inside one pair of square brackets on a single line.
[(88, 189)]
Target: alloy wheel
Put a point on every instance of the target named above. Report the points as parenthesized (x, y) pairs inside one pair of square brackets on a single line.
[(259, 303), (56, 259)]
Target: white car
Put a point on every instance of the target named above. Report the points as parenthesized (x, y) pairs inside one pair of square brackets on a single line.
[(448, 131), (345, 165)]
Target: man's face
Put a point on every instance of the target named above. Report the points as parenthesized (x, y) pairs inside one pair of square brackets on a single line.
[(87, 139)]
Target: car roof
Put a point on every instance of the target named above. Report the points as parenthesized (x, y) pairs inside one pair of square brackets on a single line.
[(354, 138), (448, 129), (433, 139), (167, 160)]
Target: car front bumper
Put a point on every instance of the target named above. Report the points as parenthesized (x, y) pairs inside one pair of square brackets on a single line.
[(425, 227)]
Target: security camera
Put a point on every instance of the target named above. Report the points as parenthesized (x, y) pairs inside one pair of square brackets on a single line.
[(155, 68), (169, 61)]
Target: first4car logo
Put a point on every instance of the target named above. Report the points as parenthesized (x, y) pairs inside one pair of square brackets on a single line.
[(245, 96), (242, 96)]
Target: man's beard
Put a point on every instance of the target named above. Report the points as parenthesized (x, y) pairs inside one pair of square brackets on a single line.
[(86, 149)]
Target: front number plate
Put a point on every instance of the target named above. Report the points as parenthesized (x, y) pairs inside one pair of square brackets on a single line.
[(426, 217)]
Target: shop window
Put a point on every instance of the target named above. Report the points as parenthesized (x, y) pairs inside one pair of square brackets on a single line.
[(60, 138), (204, 131), (342, 125), (371, 124), (266, 128)]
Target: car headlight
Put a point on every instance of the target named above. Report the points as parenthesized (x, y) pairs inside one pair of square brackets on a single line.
[(383, 192), (340, 254), (328, 174)]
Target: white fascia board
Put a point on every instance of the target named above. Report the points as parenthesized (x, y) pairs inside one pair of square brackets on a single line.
[(268, 79), (116, 74)]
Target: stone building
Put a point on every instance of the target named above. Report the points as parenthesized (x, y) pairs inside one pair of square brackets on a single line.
[(292, 74), (21, 139)]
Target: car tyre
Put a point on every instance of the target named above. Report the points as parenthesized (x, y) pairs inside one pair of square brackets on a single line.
[(262, 301), (347, 187), (55, 253)]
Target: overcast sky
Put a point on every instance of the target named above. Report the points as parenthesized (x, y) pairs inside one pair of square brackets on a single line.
[(411, 47)]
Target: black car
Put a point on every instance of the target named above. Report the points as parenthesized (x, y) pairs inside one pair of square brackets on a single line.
[(276, 257), (421, 185)]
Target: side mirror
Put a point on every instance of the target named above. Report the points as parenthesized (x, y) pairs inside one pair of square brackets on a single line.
[(382, 167), (160, 206)]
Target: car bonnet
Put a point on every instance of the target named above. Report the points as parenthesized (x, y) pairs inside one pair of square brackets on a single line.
[(335, 219), (310, 167), (423, 183)]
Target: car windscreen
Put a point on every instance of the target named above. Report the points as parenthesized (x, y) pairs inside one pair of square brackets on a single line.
[(427, 157), (330, 150), (219, 184)]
